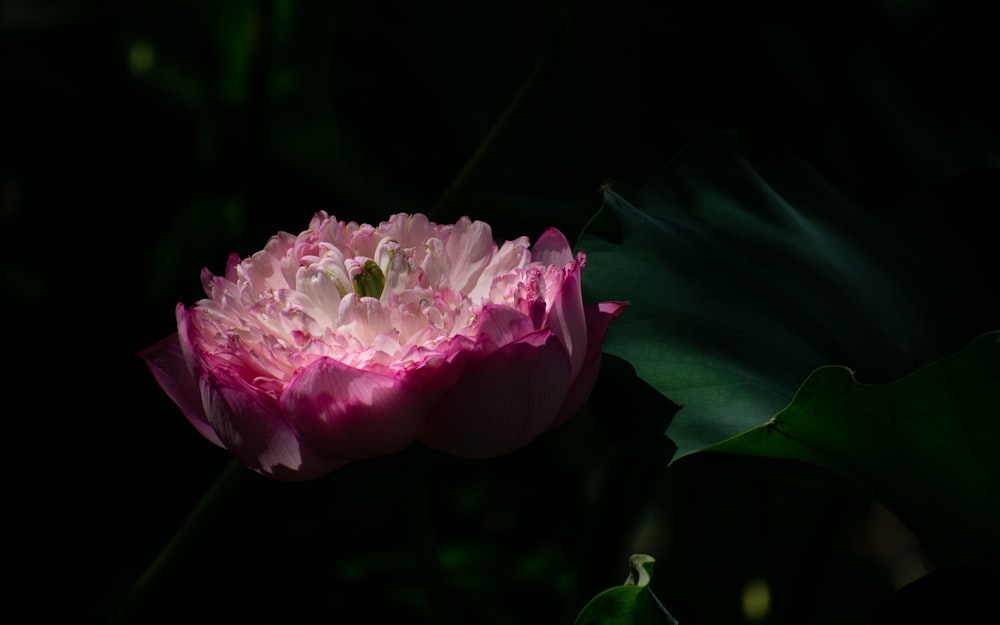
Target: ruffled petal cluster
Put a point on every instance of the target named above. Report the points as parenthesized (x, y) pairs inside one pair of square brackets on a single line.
[(351, 341)]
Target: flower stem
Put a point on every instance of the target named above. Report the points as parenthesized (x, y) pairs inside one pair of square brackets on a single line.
[(424, 541), (166, 561)]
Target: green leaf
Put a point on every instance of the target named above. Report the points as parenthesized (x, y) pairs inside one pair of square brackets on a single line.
[(743, 278), (925, 445), (632, 603)]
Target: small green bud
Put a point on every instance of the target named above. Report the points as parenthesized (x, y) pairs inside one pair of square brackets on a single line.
[(371, 280)]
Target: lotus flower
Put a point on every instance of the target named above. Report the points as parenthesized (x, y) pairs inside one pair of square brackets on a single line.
[(353, 341)]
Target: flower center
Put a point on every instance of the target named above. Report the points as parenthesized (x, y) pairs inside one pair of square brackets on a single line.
[(370, 281)]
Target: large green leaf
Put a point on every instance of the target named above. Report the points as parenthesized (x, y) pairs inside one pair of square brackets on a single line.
[(925, 445), (742, 279)]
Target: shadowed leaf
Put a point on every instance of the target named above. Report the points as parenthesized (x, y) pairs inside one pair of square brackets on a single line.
[(924, 445), (742, 279)]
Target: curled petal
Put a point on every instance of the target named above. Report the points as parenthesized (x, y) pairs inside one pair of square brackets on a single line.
[(567, 320), (552, 248), (250, 425), (167, 364), (470, 248), (352, 413), (503, 401)]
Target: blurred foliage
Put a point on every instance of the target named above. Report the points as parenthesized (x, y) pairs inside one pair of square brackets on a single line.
[(145, 140)]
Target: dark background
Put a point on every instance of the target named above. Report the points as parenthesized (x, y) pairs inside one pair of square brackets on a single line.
[(140, 142)]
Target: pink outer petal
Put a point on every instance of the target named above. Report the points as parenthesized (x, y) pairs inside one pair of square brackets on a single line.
[(353, 413), (252, 428), (440, 371), (499, 325), (599, 316), (167, 364), (567, 320), (552, 248), (503, 401)]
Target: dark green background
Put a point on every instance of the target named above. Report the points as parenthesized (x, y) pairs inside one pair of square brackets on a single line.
[(120, 181)]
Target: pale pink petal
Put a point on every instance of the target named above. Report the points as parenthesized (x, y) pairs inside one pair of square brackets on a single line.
[(167, 364), (251, 427), (319, 220), (231, 264), (598, 317), (435, 265), (552, 248), (502, 402), (469, 247), (409, 230), (364, 240), (352, 413), (501, 325), (567, 320), (319, 282), (364, 318), (511, 255), (263, 269)]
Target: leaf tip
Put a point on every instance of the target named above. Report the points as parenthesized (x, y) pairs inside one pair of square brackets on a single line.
[(640, 569)]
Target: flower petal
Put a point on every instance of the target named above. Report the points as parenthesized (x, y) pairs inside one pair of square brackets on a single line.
[(567, 320), (353, 413), (364, 318), (469, 247), (167, 364), (503, 401), (251, 427), (552, 248), (512, 254), (441, 368), (501, 325), (598, 317)]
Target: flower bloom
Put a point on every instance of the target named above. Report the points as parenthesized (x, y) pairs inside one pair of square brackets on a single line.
[(352, 341)]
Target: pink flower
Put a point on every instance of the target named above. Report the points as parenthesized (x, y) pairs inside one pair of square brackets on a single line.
[(352, 341)]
